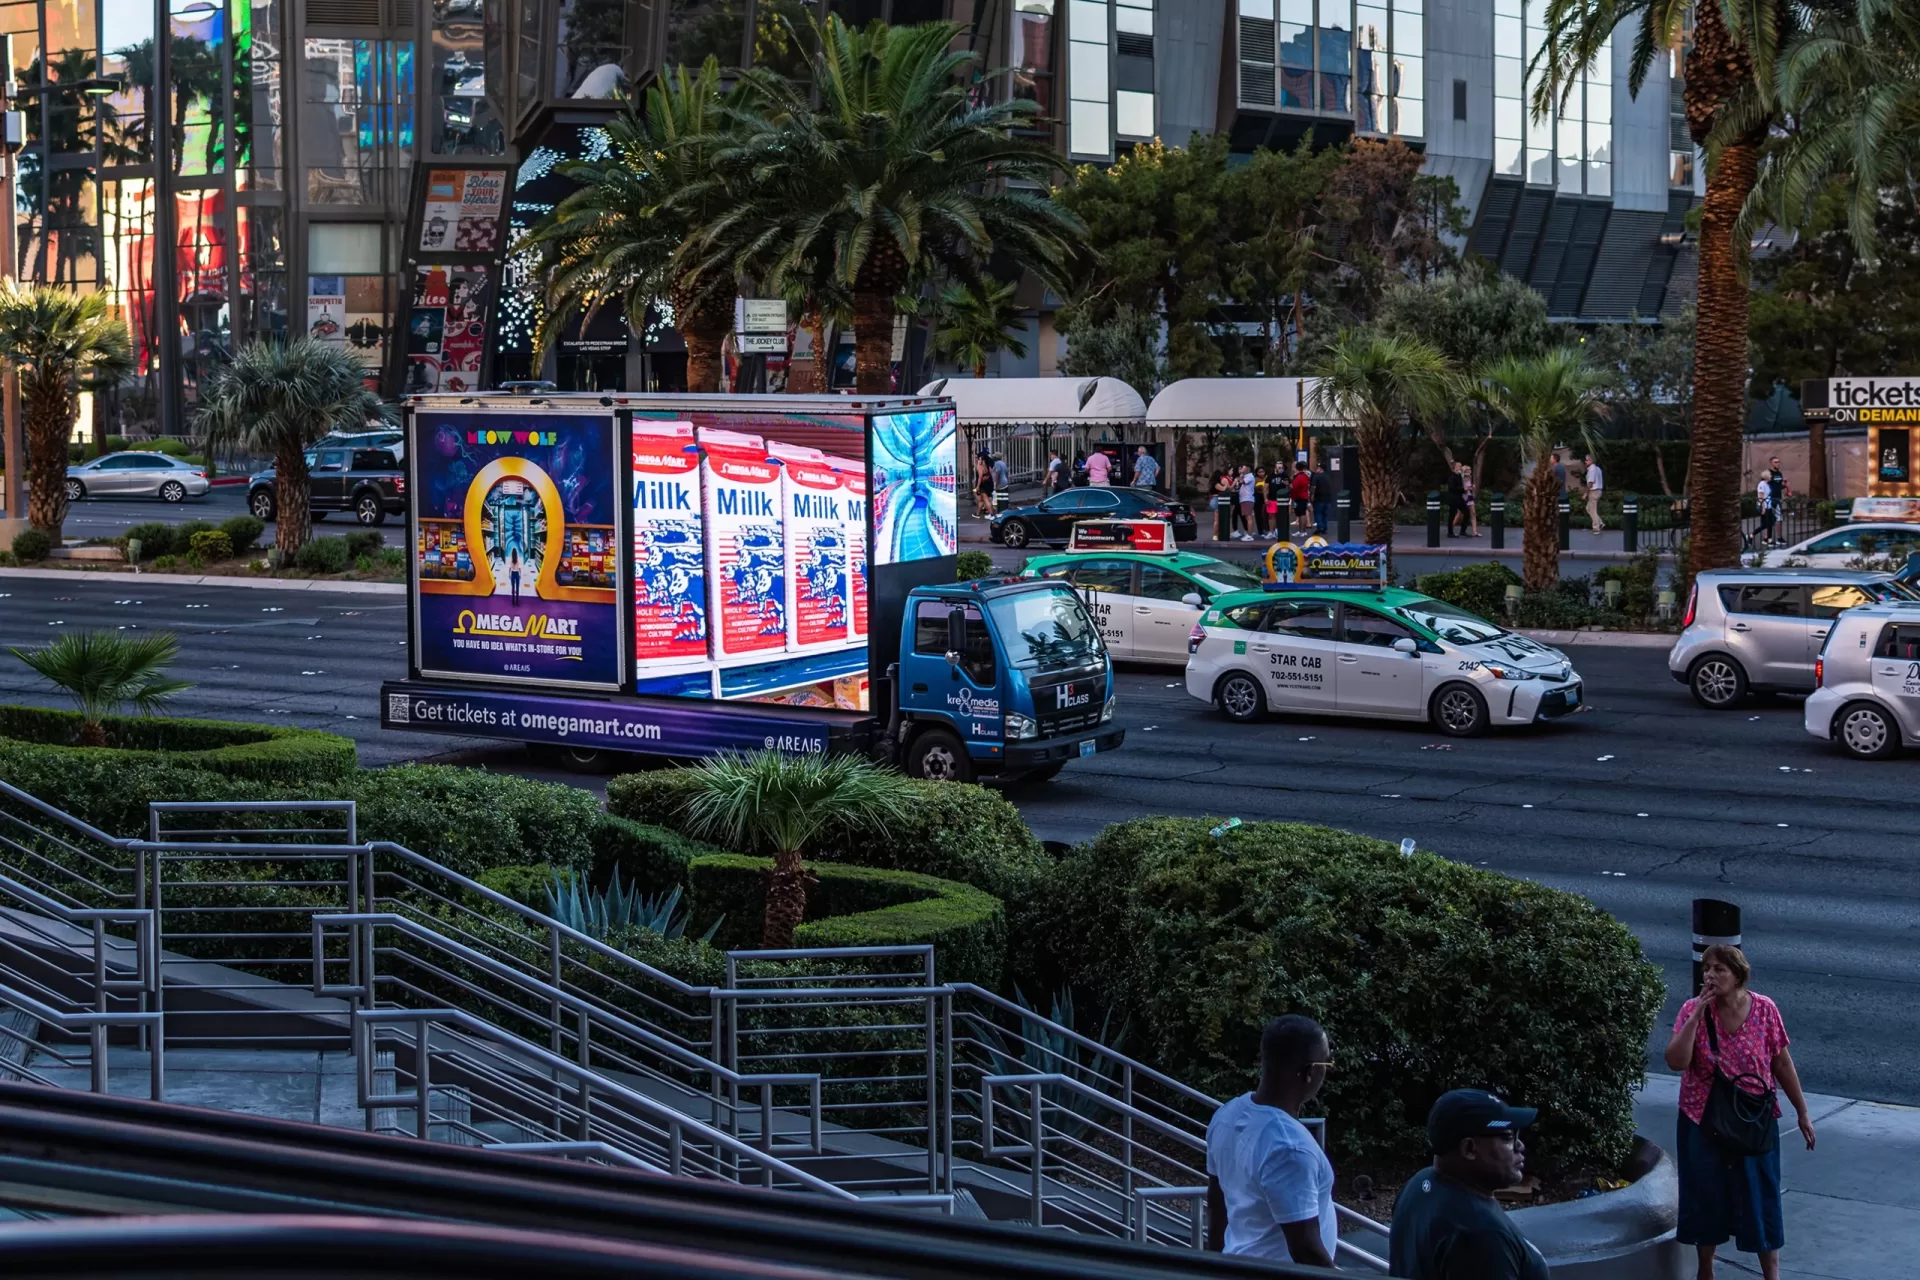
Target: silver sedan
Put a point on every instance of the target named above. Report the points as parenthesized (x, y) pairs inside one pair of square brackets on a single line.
[(137, 475)]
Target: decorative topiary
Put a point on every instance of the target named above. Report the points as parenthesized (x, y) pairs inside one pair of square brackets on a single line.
[(30, 546)]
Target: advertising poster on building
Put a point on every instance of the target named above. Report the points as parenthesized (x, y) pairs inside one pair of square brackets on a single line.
[(1893, 451), (915, 460), (518, 547), (327, 309), (447, 329), (462, 210)]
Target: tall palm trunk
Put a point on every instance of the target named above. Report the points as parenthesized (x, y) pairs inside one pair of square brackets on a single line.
[(705, 361), (704, 319), (873, 343), (292, 513), (1540, 519), (1379, 487), (786, 901), (47, 409)]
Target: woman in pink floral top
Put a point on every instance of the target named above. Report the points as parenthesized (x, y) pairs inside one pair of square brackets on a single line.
[(1726, 1194)]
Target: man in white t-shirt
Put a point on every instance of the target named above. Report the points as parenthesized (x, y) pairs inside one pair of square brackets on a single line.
[(1269, 1184), (1595, 483)]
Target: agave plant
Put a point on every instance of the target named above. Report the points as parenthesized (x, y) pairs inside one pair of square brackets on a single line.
[(1043, 1050), (103, 671), (599, 913)]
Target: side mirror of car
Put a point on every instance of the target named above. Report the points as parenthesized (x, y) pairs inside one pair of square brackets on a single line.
[(956, 636), (1192, 600), (1406, 645)]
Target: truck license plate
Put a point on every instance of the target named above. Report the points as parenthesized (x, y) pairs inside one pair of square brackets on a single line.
[(1088, 748)]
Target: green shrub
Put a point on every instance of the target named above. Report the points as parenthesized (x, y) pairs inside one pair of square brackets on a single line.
[(471, 820), (363, 542), (156, 539), (169, 445), (211, 546), (243, 532), (278, 754), (164, 563), (970, 565), (1478, 588), (954, 831), (184, 532), (30, 546), (322, 555), (526, 885), (116, 444), (1427, 974), (6, 559), (650, 858), (851, 906), (392, 558)]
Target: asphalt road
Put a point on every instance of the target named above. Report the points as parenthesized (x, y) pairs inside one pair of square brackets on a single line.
[(1642, 803), (111, 517)]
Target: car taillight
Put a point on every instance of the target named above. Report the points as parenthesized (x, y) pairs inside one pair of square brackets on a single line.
[(1158, 513), (1194, 637), (399, 485), (1819, 673), (201, 474), (1693, 599)]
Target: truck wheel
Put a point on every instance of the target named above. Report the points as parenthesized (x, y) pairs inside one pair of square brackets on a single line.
[(368, 509), (1015, 534), (1866, 732), (260, 502), (1717, 682), (1241, 698), (584, 760), (938, 756), (1459, 711)]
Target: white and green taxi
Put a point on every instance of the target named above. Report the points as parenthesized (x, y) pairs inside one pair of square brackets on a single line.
[(1376, 652), (1145, 602)]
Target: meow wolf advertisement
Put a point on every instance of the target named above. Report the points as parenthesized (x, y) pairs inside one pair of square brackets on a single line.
[(517, 547)]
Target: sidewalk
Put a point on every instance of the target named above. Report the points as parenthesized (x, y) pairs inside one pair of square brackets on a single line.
[(1852, 1205)]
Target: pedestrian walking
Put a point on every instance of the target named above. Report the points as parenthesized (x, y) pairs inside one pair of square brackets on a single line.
[(1473, 495), (1100, 468), (1223, 505), (1730, 1046), (1263, 509), (1000, 480), (1779, 478), (1269, 1184), (1456, 502), (1050, 483), (1595, 482), (1146, 471), (1763, 504), (1246, 488), (1322, 490), (1300, 490), (1446, 1223), (982, 485)]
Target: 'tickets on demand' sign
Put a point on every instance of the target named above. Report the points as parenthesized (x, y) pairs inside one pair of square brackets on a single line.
[(517, 547)]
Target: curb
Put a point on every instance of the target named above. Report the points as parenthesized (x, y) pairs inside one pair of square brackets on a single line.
[(226, 480), (216, 580)]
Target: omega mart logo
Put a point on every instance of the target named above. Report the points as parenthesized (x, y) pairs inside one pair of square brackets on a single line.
[(513, 437)]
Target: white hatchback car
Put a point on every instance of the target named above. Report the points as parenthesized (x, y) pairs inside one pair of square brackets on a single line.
[(1868, 676)]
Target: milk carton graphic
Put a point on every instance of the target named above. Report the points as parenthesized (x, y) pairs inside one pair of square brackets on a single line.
[(669, 553), (853, 482), (746, 546), (813, 511)]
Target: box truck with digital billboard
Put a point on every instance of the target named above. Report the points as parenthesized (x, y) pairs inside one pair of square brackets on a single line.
[(680, 576)]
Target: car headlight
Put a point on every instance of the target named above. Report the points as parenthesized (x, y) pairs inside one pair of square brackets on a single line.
[(1106, 712), (1019, 726), (1499, 672)]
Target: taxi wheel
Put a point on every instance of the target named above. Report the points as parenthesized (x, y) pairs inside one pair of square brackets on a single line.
[(1459, 711), (1866, 731), (1241, 698), (938, 756), (1717, 682), (1015, 534)]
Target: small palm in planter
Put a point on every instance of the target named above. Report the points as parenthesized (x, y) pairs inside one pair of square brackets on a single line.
[(781, 803), (103, 671)]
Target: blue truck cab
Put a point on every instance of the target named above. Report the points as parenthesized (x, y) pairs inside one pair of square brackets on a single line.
[(1000, 676)]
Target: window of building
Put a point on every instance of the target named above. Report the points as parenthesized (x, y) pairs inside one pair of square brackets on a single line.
[(1033, 39), (1571, 147), (1133, 115), (1459, 99), (1089, 80), (1390, 67)]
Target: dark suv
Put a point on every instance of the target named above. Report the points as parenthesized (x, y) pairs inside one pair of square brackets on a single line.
[(368, 482)]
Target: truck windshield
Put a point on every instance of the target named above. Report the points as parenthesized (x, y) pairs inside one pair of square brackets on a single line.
[(1450, 622), (1045, 629)]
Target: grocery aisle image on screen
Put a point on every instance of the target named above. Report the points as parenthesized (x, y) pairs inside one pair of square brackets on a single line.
[(914, 467)]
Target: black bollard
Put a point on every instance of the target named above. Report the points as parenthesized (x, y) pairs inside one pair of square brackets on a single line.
[(1497, 506), (1345, 505), (1714, 922), (1433, 518), (1566, 525), (1630, 522)]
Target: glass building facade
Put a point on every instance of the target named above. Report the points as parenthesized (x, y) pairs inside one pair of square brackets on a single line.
[(1362, 63), (1571, 149)]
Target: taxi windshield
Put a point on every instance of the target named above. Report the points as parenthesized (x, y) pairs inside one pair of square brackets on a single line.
[(1450, 622), (1045, 629), (1222, 576)]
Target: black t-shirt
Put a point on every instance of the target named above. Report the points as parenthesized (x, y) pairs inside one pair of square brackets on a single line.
[(1445, 1231)]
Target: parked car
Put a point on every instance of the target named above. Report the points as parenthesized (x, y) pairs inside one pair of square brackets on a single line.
[(1759, 630), (1840, 548), (1378, 652), (1051, 519), (367, 482), (137, 474), (1867, 675)]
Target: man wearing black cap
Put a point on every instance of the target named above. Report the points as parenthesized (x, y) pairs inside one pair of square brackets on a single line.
[(1446, 1225)]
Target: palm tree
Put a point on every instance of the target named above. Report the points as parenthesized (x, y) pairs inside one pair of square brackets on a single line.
[(782, 803), (1548, 400), (103, 671), (1377, 382), (977, 321), (1730, 105), (897, 175), (277, 399), (624, 237), (59, 343)]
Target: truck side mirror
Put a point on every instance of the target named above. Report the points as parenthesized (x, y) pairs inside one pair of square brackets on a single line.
[(1406, 645), (1192, 600), (956, 635)]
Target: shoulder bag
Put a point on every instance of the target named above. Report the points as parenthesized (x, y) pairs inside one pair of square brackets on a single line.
[(1737, 1118)]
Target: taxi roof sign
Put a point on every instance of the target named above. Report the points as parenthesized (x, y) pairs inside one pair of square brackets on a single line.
[(1318, 563), (1886, 510), (1154, 537)]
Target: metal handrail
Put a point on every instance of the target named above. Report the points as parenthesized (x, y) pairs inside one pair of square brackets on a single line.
[(96, 1026), (677, 1126)]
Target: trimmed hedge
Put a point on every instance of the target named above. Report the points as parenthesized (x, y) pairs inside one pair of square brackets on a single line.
[(850, 906), (262, 752), (652, 859), (471, 820), (1427, 974)]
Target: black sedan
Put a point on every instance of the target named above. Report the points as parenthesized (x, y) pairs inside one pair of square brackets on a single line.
[(1050, 520)]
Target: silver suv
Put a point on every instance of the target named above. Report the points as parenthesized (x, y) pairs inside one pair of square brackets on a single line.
[(1759, 630), (1868, 698)]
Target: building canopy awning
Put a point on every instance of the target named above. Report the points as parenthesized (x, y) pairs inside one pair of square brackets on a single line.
[(1079, 402), (1239, 404)]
